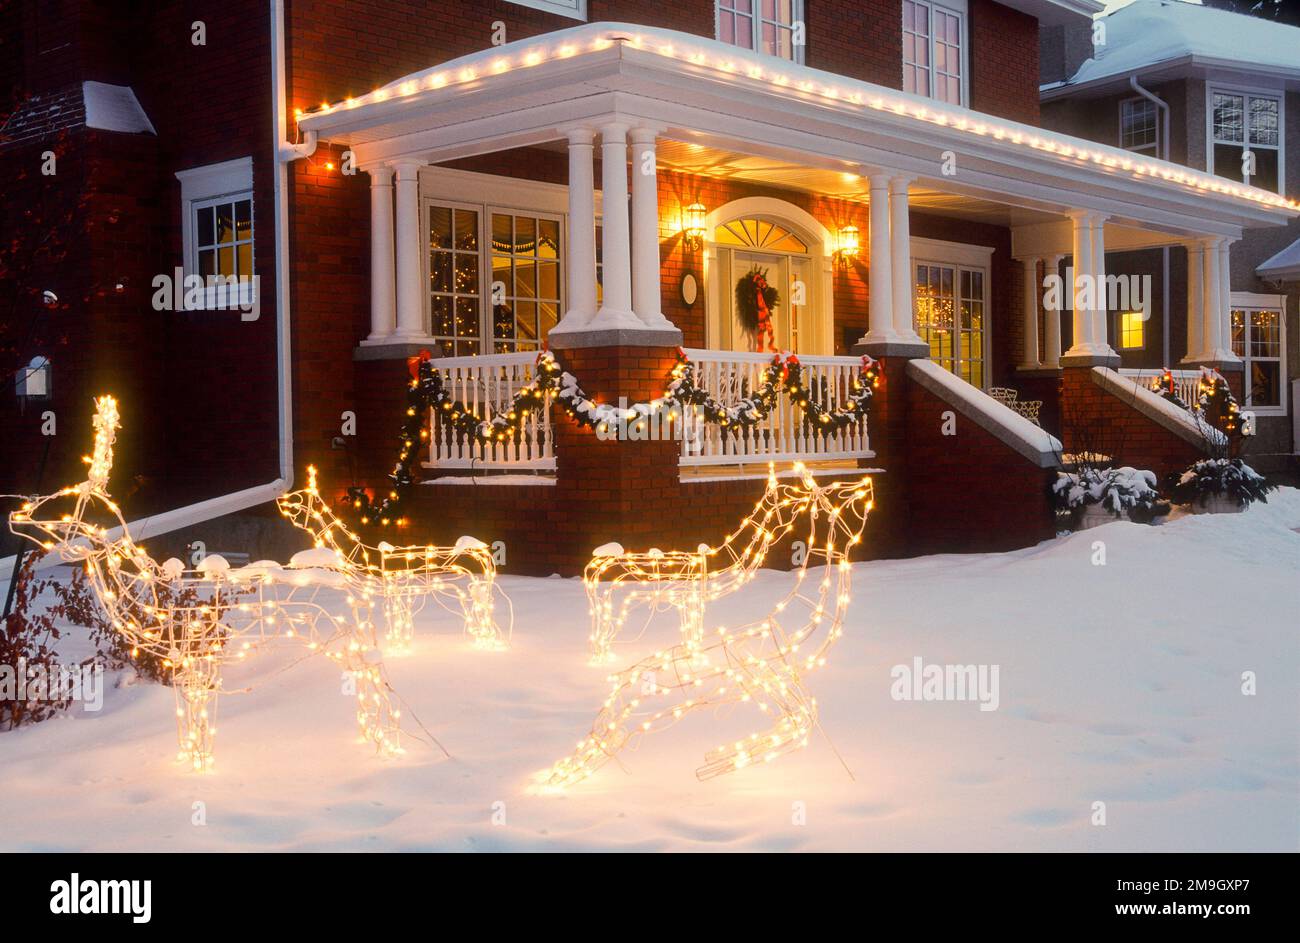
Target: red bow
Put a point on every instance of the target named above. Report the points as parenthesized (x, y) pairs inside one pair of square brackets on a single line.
[(413, 363)]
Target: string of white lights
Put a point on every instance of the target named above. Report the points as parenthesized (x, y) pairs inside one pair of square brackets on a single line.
[(762, 663)]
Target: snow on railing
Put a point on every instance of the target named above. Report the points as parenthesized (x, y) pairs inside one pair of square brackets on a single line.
[(487, 385), (782, 435), (1187, 383), (1187, 425)]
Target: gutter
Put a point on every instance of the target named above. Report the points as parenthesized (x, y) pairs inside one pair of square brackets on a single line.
[(281, 155)]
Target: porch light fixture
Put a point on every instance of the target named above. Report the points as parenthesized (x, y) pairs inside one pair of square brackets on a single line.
[(693, 225), (846, 249)]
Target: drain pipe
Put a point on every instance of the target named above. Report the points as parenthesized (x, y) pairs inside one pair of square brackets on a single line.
[(283, 153), (1164, 251)]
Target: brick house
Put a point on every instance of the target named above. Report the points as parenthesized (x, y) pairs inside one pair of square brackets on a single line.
[(478, 180), (1200, 87)]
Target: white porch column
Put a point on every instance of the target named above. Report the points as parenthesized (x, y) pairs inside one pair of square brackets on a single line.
[(1030, 359), (383, 303), (645, 230), (881, 266), (1082, 260), (1052, 319), (1100, 312), (900, 251), (1195, 302), (1224, 353), (580, 261), (616, 257), (410, 297), (1211, 298)]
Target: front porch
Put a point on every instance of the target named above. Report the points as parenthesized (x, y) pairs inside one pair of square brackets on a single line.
[(713, 162)]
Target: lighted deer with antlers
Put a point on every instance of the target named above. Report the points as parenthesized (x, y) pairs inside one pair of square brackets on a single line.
[(404, 578), (762, 663), (617, 582), (198, 621)]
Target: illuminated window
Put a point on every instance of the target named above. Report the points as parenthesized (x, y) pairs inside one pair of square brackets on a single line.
[(950, 316), (771, 26), (217, 230), (1132, 330), (934, 49), (1258, 336), (493, 291)]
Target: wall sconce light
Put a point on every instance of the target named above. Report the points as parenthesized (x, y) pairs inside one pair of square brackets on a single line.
[(847, 248), (693, 225)]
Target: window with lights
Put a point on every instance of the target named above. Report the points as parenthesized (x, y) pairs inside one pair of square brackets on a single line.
[(1259, 338)]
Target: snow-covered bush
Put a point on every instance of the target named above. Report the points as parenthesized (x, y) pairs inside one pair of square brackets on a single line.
[(1227, 477), (28, 636), (1119, 490)]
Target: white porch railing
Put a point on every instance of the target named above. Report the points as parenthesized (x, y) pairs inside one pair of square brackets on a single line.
[(487, 385), (783, 435), (1187, 383)]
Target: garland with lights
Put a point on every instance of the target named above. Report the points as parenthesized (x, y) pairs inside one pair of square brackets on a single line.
[(1215, 401), (1165, 386), (428, 390)]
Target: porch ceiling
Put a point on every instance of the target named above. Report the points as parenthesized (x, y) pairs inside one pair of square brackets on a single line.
[(794, 120)]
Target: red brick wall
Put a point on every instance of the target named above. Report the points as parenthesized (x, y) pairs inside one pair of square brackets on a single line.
[(1098, 420), (1003, 61)]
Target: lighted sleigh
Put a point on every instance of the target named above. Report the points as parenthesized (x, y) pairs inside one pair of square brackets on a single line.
[(461, 578), (762, 663), (196, 621)]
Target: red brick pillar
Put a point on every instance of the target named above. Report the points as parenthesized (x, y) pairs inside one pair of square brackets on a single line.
[(610, 488)]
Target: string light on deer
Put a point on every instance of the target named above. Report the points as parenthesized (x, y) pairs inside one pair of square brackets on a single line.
[(404, 578), (762, 663), (683, 580), (202, 620)]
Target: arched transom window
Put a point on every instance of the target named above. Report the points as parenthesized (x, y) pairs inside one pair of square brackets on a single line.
[(752, 232)]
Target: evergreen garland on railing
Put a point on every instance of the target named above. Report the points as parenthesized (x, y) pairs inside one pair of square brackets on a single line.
[(428, 391)]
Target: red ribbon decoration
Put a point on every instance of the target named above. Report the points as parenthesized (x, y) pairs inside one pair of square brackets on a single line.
[(413, 363)]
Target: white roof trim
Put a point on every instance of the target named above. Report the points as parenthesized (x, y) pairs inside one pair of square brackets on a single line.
[(1285, 266), (716, 93)]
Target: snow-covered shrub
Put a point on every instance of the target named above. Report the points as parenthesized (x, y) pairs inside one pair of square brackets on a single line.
[(1228, 477), (27, 647), (1119, 490)]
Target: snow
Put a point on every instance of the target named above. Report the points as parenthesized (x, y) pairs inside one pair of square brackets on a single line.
[(1148, 32), (1283, 266), (1118, 684), (114, 108), (1181, 422)]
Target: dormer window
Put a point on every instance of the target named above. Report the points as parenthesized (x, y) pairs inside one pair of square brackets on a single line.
[(935, 50)]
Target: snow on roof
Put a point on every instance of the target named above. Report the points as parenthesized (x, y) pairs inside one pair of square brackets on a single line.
[(1283, 266), (114, 108), (1150, 32), (1002, 422)]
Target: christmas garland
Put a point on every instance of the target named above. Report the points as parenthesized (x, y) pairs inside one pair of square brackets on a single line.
[(427, 390), (1215, 400), (1165, 386)]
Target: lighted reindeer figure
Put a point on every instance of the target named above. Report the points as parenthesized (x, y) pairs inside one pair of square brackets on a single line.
[(762, 663), (404, 578), (197, 621), (683, 580)]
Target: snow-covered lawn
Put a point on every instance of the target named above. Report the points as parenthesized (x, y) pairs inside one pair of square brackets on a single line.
[(1119, 684)]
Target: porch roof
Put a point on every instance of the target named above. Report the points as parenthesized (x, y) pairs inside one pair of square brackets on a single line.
[(701, 91)]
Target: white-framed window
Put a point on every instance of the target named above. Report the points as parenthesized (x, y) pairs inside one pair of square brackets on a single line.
[(1259, 339), (935, 58), (218, 231), (574, 9), (771, 26), (1245, 130), (494, 255), (1139, 126), (951, 302), (1131, 330)]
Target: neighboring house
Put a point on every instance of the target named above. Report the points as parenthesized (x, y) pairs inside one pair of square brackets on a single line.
[(1220, 92), (454, 177)]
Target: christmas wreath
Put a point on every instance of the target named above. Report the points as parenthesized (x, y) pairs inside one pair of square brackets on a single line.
[(755, 302)]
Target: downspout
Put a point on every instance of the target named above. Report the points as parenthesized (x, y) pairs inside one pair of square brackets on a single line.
[(1164, 251), (282, 153)]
